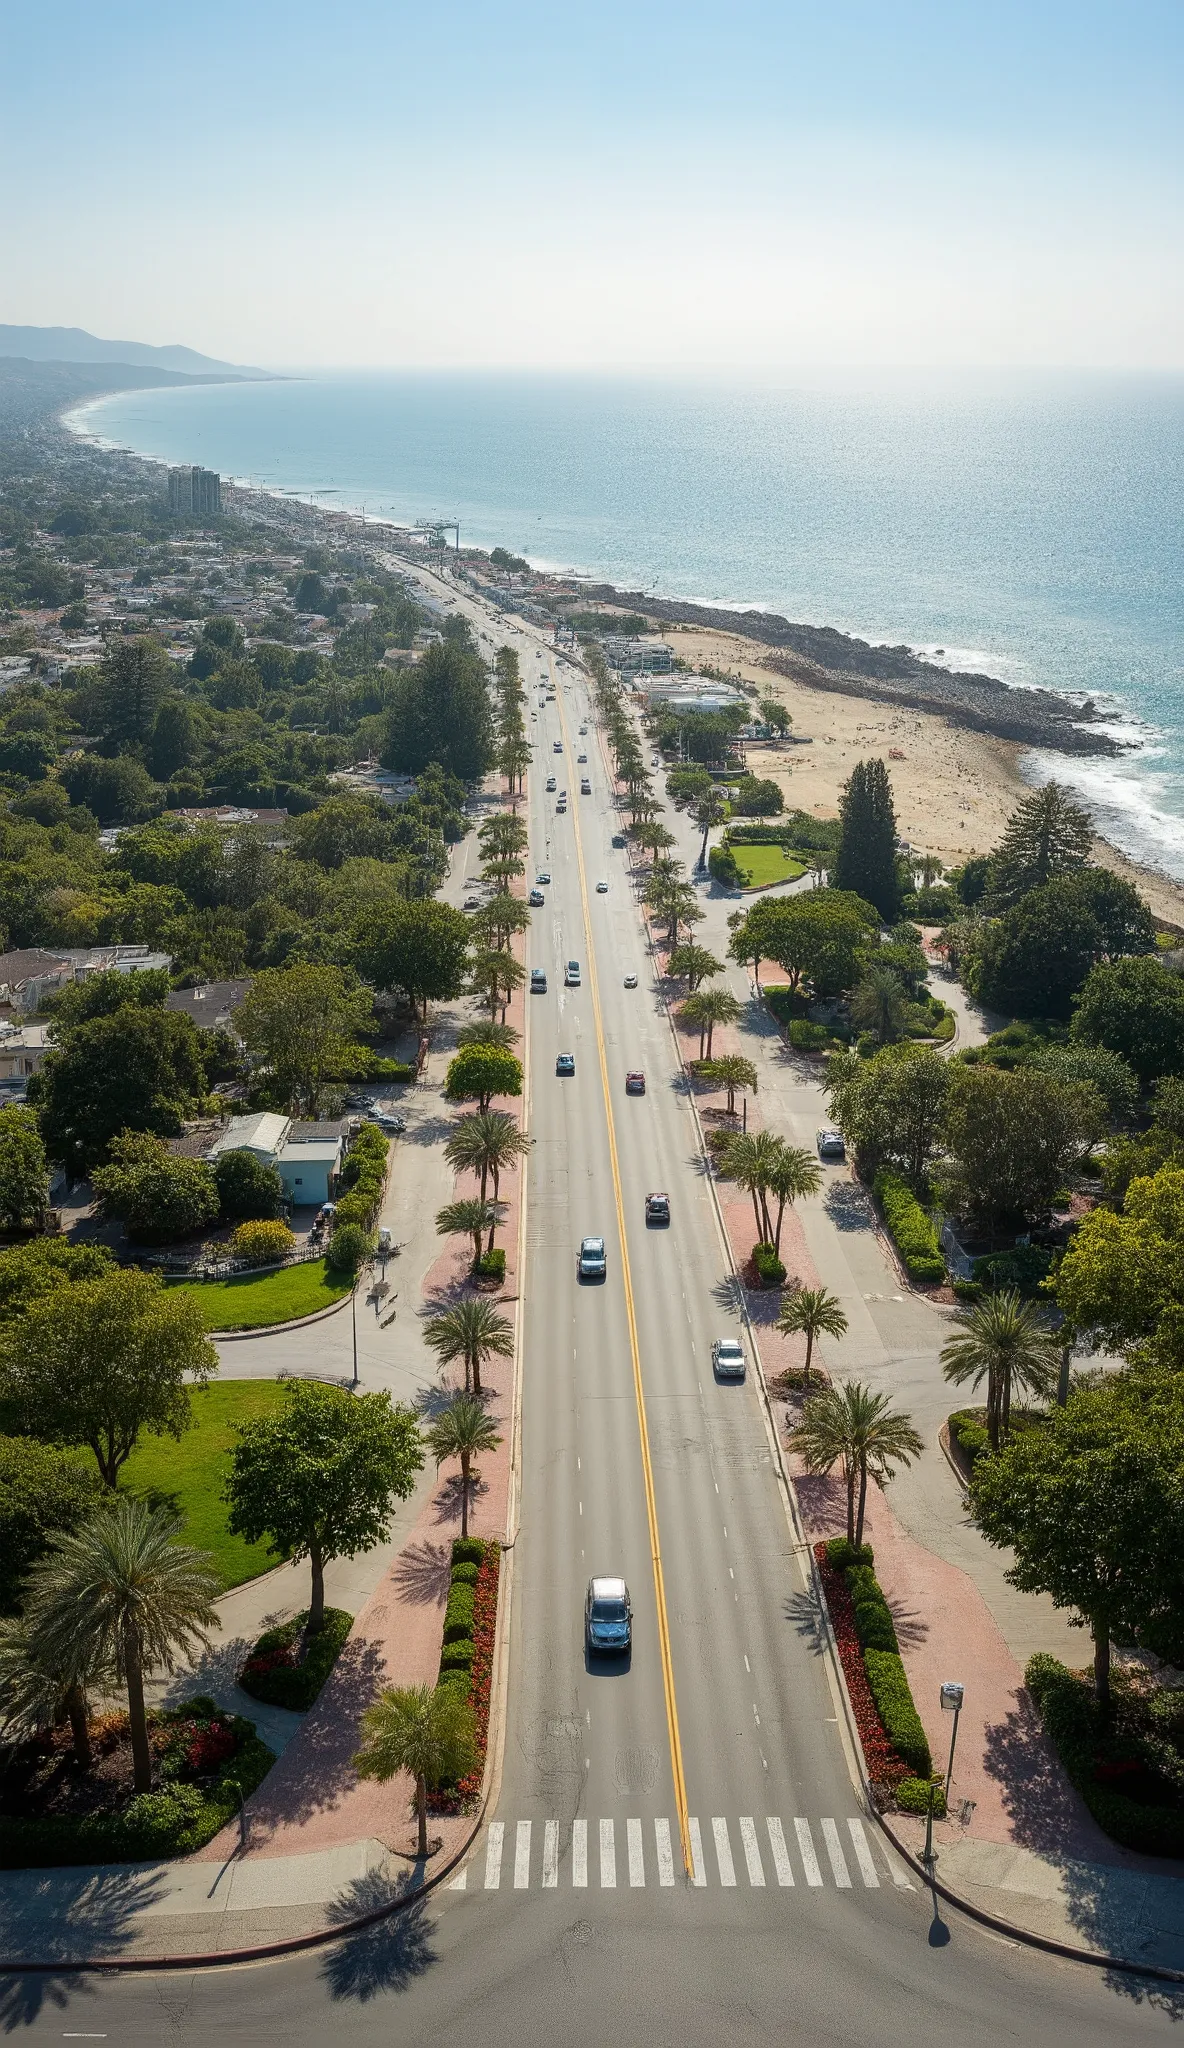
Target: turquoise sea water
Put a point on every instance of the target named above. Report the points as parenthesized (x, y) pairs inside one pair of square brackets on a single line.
[(1032, 526)]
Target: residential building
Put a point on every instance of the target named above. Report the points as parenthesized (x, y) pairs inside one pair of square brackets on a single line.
[(211, 1005), (29, 976), (195, 492), (307, 1156), (22, 1049), (637, 657)]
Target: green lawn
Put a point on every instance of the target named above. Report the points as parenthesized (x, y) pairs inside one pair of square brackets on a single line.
[(187, 1476), (765, 864), (251, 1303)]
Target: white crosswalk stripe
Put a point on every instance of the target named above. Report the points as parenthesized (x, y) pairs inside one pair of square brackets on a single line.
[(562, 1860)]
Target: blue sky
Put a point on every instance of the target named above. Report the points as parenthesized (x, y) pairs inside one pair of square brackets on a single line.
[(742, 185)]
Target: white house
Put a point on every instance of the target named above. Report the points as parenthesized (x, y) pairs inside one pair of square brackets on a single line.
[(306, 1156)]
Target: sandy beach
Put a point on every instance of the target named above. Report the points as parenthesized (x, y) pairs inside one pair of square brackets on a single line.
[(954, 789)]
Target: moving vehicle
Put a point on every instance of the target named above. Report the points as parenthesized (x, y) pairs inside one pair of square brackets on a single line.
[(572, 975), (608, 1618), (630, 981), (543, 875), (581, 757), (556, 746), (561, 808), (538, 982), (619, 839), (727, 1358), (386, 1122), (583, 730), (602, 888), (657, 1208), (593, 1261), (830, 1144), (585, 786), (536, 897), (551, 782), (565, 1063), (635, 1082)]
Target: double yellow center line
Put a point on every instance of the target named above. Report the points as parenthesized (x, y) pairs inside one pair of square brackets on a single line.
[(651, 1509)]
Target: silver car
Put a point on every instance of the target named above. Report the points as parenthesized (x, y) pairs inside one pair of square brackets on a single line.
[(727, 1358), (593, 1260), (831, 1145)]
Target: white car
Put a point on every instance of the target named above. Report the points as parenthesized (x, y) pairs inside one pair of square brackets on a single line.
[(727, 1358), (572, 974), (630, 981), (831, 1145)]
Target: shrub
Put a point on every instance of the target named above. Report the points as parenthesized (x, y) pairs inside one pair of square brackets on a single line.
[(767, 1266), (464, 1574), (724, 867), (841, 1554), (262, 1243), (458, 1615), (968, 1290), (356, 1209), (468, 1550), (348, 1246), (888, 1680), (912, 1231), (286, 1668), (457, 1657), (970, 1435), (378, 1069), (459, 1677), (1068, 1709), (1025, 1266), (873, 1616), (807, 1037), (247, 1186), (492, 1265), (912, 1795)]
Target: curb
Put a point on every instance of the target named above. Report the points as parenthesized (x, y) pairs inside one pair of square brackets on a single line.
[(281, 1329)]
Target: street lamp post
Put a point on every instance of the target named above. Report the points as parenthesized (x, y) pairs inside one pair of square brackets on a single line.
[(952, 1695), (353, 1310)]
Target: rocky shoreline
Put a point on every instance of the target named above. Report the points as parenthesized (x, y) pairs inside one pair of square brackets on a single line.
[(825, 659)]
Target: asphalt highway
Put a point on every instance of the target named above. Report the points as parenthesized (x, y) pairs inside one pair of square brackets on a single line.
[(678, 1853)]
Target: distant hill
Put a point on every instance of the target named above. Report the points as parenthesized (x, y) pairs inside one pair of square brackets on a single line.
[(32, 393), (75, 345)]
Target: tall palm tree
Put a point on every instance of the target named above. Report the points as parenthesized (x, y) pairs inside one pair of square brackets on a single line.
[(35, 1695), (852, 1427), (708, 1007), (485, 1142), (426, 1730), (877, 1004), (461, 1430), (473, 1330), (122, 1591), (749, 1158), (711, 810), (1003, 1341), (796, 1174), (469, 1218), (812, 1313)]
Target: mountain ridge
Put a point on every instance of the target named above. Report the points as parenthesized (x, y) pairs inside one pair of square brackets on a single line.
[(76, 345)]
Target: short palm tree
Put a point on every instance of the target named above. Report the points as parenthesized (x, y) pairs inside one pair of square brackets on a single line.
[(1003, 1341), (692, 964), (706, 1008), (852, 1427), (121, 1591), (34, 1695), (485, 1142), (473, 1330), (483, 1032), (877, 1005), (731, 1072), (469, 1218), (812, 1313), (750, 1159), (461, 1430), (426, 1730), (796, 1173)]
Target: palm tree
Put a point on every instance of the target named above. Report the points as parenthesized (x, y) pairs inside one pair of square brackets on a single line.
[(877, 1004), (473, 1330), (693, 964), (503, 1036), (708, 1007), (1003, 1341), (812, 1313), (795, 1175), (469, 1218), (459, 1431), (495, 976), (732, 1072), (750, 1159), (426, 1730), (485, 1142), (710, 811), (122, 1592), (852, 1427), (34, 1696)]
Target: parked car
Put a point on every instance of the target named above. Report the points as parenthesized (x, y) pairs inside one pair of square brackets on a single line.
[(585, 786), (583, 730), (831, 1145), (635, 1082), (581, 757), (727, 1358), (472, 903), (536, 898), (395, 1125), (538, 981), (565, 1063), (556, 746), (657, 1208), (608, 1618), (593, 1263)]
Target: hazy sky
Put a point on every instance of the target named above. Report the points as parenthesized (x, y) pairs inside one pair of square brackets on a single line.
[(746, 182)]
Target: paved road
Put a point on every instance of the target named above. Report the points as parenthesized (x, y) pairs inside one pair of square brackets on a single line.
[(678, 1853)]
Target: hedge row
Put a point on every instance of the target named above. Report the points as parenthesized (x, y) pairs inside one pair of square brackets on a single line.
[(912, 1231), (364, 1178), (466, 1658), (886, 1674), (288, 1669), (1068, 1709), (969, 1433), (174, 1821)]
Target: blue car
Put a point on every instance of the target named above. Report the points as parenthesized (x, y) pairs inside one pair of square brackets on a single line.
[(608, 1618), (565, 1063)]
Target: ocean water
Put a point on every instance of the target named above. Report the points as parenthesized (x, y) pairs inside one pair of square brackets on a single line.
[(1028, 525)]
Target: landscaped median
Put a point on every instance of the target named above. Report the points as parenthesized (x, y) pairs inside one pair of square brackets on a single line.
[(287, 1667), (895, 1746), (466, 1658), (910, 1228), (260, 1301)]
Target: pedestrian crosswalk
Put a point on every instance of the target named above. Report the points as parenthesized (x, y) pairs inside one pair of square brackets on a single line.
[(760, 1852)]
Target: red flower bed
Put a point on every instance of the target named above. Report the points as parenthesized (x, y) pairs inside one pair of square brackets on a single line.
[(272, 1660), (461, 1799), (884, 1767)]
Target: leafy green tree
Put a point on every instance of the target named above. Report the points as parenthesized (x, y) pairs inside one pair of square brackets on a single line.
[(890, 1108), (485, 1142), (1090, 1503), (865, 860), (774, 713), (692, 964), (706, 1008), (345, 828), (119, 791), (1135, 1008), (498, 920), (138, 1070), (43, 1493), (101, 1361), (303, 1022), (1034, 960), (1096, 1065), (1049, 833), (730, 1072), (757, 797), (102, 994), (24, 1181), (427, 1731), (811, 1312), (156, 1196), (462, 1430), (121, 1593), (1121, 1280), (471, 1331), (420, 948), (494, 977), (320, 1475), (248, 1188), (30, 1271), (176, 738), (856, 1429), (134, 677), (440, 711), (1004, 1341), (1013, 1138), (817, 938), (479, 1072)]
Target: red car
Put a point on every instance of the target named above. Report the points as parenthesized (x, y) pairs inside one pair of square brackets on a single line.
[(635, 1082)]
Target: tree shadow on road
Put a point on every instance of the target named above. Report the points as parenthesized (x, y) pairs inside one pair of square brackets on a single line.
[(422, 1573), (389, 1955), (64, 1913), (848, 1206)]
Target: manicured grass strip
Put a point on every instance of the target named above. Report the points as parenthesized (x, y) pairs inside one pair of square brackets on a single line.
[(187, 1476), (765, 864), (253, 1302)]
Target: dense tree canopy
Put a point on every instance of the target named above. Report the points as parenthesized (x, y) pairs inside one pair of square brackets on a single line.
[(157, 1197), (1033, 961), (419, 948), (24, 1181), (1136, 1008), (440, 711), (136, 1070), (865, 862), (1013, 1137), (303, 1023)]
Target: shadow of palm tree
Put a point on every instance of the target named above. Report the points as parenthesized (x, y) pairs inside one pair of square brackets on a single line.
[(422, 1573), (385, 1957), (67, 1913), (848, 1206), (728, 1295), (447, 1502), (801, 1609), (764, 1306)]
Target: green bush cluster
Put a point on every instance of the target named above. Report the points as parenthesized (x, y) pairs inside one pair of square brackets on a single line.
[(968, 1432), (1068, 1709), (912, 1795), (262, 1242), (912, 1231), (886, 1674), (174, 1821), (456, 1656), (841, 1554), (295, 1686), (807, 1037), (724, 867), (1025, 1266), (767, 1266), (458, 1615), (873, 1616), (491, 1265), (347, 1248), (379, 1069)]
